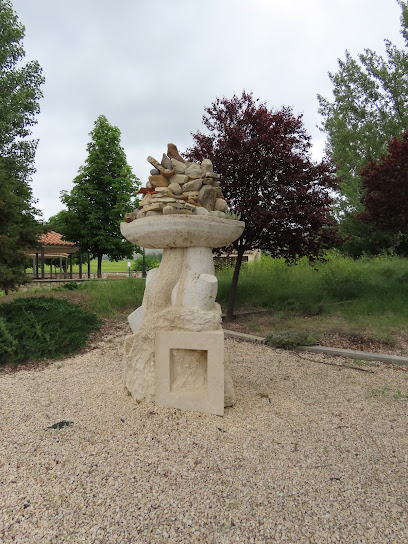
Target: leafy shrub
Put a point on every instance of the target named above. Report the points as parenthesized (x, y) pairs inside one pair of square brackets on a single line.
[(290, 339), (151, 261), (42, 328), (69, 286)]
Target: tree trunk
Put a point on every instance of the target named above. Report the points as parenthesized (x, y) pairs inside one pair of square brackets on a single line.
[(99, 274), (234, 283)]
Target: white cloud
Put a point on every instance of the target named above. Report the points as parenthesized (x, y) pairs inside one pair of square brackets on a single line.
[(152, 67)]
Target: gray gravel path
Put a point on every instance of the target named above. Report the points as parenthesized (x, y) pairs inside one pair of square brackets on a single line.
[(313, 452)]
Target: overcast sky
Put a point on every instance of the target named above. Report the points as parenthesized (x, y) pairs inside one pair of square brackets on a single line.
[(151, 66)]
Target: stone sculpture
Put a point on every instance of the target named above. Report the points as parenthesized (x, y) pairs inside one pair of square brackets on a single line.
[(175, 355)]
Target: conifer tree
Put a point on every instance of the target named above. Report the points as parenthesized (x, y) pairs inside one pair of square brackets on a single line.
[(20, 91)]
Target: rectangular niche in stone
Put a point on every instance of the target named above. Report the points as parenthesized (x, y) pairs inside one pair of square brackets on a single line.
[(190, 370)]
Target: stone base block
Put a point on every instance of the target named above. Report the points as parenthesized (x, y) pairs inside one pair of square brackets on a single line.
[(190, 370)]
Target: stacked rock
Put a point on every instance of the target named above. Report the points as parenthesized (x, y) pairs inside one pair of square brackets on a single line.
[(182, 187)]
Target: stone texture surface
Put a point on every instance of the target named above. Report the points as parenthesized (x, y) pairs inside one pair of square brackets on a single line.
[(190, 370), (179, 178), (155, 163), (139, 350), (178, 167), (152, 207), (202, 211), (146, 200), (220, 205), (194, 231), (187, 220), (179, 296), (175, 188), (184, 180), (194, 171), (207, 197), (158, 181), (197, 284), (193, 185), (129, 217), (173, 153), (206, 165), (166, 162), (154, 213), (170, 210)]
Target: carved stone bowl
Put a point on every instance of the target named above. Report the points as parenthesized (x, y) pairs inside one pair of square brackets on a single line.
[(166, 231)]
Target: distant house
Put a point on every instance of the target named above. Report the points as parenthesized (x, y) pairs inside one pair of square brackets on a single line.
[(229, 260)]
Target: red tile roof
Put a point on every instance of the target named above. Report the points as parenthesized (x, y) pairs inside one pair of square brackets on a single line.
[(54, 239)]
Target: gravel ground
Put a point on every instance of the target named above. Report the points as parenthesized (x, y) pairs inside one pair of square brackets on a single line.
[(313, 452)]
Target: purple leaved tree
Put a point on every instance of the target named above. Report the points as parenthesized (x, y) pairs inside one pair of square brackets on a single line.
[(385, 188), (269, 178)]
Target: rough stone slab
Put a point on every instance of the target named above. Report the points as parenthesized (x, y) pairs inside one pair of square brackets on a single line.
[(243, 336), (355, 354), (190, 370), (173, 153)]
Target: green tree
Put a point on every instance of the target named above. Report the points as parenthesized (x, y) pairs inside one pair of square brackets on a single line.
[(104, 190), (20, 91), (19, 230), (369, 108), (151, 261), (57, 222)]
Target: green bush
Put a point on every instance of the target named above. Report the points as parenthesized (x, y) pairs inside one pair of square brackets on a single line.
[(37, 328), (290, 339), (69, 286), (151, 261)]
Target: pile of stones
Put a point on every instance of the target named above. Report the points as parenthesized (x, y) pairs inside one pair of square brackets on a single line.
[(181, 187)]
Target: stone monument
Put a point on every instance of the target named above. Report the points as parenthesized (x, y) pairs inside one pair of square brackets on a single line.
[(175, 355)]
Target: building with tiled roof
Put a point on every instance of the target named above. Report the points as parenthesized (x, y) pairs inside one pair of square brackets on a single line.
[(52, 246), (53, 238)]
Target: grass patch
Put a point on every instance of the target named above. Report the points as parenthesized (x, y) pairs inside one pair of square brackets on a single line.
[(35, 328), (388, 393), (364, 299), (369, 295), (114, 298)]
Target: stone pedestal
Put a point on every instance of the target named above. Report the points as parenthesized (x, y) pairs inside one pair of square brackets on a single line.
[(190, 370), (176, 355)]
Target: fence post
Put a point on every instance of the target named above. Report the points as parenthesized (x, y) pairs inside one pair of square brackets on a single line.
[(42, 263)]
